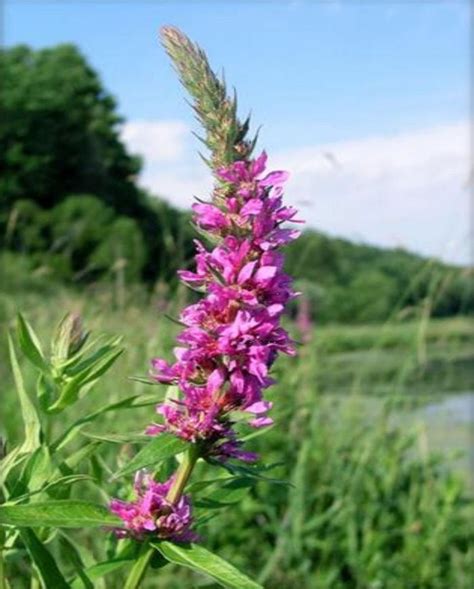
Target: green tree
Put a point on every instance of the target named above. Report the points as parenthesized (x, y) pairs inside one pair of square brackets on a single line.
[(122, 250), (60, 132)]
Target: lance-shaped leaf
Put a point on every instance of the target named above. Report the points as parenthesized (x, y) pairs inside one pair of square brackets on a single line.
[(73, 555), (199, 559), (61, 514), (130, 438), (11, 460), (37, 469), (45, 564), (69, 465), (139, 567), (84, 365), (75, 428), (29, 344), (31, 420), (160, 448), (101, 569), (62, 482), (85, 377), (125, 556), (228, 492)]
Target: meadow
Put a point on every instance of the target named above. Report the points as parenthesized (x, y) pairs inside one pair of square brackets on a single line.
[(356, 495)]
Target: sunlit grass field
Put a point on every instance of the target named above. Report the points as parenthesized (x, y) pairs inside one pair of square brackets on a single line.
[(364, 503)]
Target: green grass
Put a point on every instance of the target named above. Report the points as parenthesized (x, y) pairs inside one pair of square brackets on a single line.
[(368, 505)]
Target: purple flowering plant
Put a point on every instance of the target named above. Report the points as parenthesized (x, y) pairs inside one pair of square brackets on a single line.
[(216, 384)]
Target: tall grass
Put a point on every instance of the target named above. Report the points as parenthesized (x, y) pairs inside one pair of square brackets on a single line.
[(366, 504)]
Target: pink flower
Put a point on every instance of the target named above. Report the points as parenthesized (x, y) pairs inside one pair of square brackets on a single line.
[(210, 217), (232, 336), (150, 514)]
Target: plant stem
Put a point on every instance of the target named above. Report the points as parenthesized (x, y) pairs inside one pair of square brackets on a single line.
[(182, 474), (138, 571), (3, 581)]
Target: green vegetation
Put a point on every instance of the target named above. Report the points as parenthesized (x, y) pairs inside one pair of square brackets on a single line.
[(71, 207), (367, 504)]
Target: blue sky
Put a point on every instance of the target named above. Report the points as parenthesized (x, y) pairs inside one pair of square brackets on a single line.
[(318, 76)]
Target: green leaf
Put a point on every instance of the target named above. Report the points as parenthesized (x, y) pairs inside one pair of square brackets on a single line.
[(256, 433), (73, 556), (61, 514), (209, 237), (70, 391), (74, 459), (30, 344), (229, 492), (130, 438), (38, 469), (250, 471), (84, 366), (46, 390), (63, 482), (44, 563), (199, 559), (30, 416), (35, 471), (11, 460), (144, 380), (103, 568), (128, 403), (125, 556), (160, 448), (139, 567)]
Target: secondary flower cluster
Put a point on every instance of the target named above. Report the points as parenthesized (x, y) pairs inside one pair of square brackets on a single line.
[(152, 514), (232, 335)]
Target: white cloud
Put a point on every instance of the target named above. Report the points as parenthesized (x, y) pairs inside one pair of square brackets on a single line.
[(156, 141), (404, 190), (178, 184)]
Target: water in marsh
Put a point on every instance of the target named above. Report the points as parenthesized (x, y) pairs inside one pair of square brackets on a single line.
[(445, 423), (457, 408), (450, 428)]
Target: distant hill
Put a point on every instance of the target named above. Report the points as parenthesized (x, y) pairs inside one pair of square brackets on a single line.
[(347, 281)]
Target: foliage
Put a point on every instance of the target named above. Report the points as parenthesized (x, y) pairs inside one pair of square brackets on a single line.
[(347, 282), (60, 140), (38, 475), (367, 509), (59, 131), (366, 506)]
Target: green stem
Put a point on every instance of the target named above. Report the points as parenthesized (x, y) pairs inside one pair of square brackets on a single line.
[(138, 571), (182, 474), (3, 581)]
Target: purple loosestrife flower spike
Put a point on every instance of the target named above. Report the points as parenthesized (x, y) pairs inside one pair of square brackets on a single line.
[(233, 335)]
